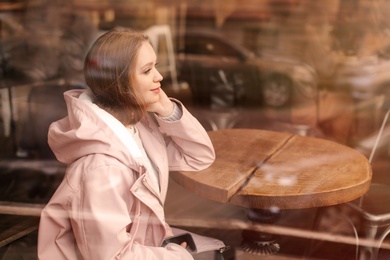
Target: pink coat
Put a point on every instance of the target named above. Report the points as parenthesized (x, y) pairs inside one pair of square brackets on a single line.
[(105, 207)]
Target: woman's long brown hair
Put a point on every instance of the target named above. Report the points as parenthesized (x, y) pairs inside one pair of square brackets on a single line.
[(109, 72)]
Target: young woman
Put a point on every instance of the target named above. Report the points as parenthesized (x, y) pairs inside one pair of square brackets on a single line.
[(120, 139)]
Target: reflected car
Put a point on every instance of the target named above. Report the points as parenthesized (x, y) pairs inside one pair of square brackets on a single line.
[(367, 80), (222, 73), (365, 77)]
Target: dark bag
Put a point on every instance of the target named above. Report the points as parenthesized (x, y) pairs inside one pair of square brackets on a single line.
[(201, 247)]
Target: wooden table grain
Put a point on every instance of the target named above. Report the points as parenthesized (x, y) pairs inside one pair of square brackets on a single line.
[(261, 169)]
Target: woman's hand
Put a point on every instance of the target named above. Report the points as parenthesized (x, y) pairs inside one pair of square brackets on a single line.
[(163, 107)]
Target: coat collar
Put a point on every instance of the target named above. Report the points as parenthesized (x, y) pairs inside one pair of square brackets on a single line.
[(117, 127)]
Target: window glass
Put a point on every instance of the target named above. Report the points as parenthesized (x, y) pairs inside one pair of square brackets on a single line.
[(309, 70), (209, 46)]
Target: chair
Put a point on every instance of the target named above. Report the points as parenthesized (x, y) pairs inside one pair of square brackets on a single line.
[(371, 210), (46, 104), (28, 183), (374, 212), (31, 179)]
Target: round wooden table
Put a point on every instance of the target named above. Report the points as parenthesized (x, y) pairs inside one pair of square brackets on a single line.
[(264, 170), (268, 171)]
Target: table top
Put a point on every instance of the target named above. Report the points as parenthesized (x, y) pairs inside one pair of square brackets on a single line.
[(262, 169)]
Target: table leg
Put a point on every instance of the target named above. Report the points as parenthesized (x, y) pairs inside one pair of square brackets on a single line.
[(259, 242)]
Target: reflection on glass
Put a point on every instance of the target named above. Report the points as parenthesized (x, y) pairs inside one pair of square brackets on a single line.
[(312, 68)]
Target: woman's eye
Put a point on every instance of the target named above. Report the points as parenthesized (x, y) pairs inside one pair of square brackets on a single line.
[(147, 70)]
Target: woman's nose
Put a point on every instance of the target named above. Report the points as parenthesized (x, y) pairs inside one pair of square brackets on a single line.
[(157, 76)]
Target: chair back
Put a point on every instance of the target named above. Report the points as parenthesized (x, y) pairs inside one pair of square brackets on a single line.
[(46, 104)]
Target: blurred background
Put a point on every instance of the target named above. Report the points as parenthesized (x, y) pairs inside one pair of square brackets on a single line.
[(314, 68)]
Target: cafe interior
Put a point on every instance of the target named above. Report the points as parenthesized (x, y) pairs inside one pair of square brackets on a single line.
[(294, 94)]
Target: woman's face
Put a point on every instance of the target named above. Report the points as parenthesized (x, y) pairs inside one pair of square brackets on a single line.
[(147, 78)]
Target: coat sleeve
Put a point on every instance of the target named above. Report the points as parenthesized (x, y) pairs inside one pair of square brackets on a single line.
[(101, 221), (188, 145)]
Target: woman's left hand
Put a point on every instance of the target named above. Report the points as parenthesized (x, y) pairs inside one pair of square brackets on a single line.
[(163, 107)]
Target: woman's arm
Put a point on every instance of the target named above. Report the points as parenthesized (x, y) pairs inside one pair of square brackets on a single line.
[(188, 144)]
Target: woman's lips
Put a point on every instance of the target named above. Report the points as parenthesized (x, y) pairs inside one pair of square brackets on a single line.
[(155, 90)]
